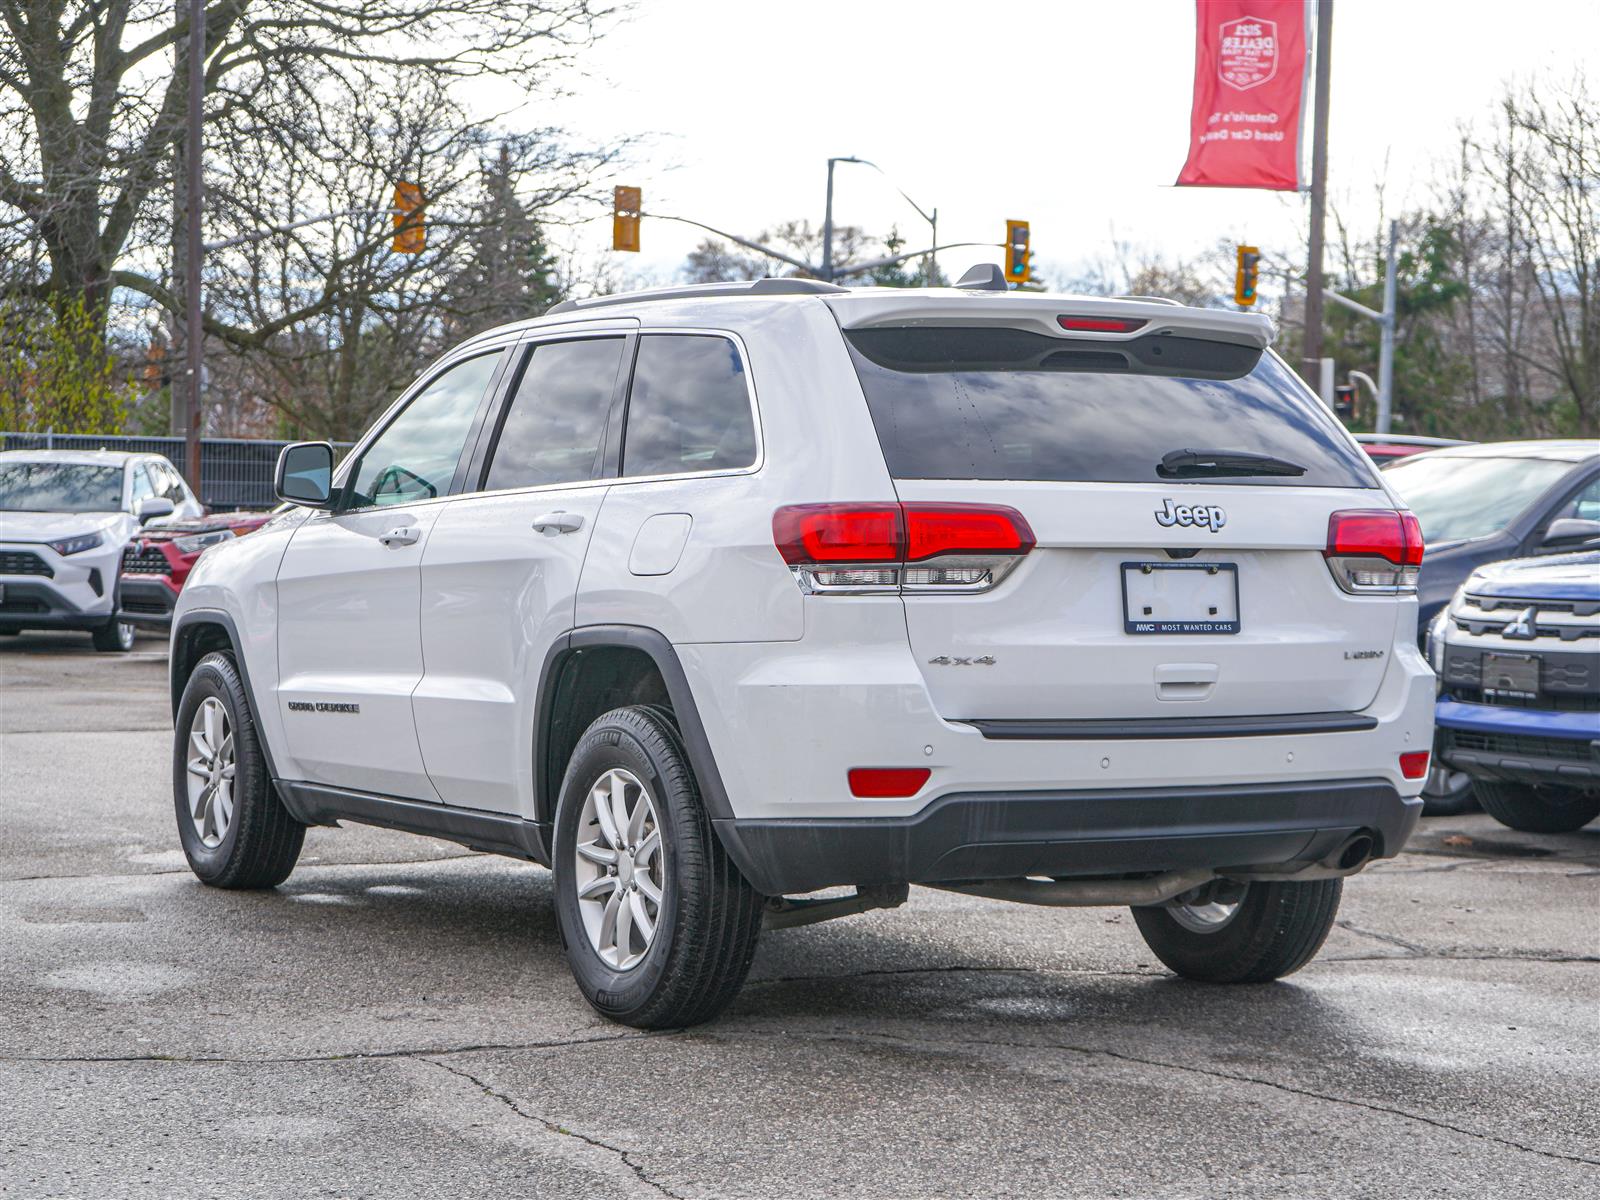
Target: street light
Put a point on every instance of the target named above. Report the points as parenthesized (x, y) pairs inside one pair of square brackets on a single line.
[(827, 220)]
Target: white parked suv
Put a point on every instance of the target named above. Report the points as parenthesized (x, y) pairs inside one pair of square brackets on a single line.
[(709, 598), (66, 517)]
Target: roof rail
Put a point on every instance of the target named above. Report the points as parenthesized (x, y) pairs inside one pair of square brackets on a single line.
[(694, 291)]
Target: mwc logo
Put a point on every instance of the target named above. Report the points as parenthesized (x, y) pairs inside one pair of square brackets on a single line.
[(1248, 52)]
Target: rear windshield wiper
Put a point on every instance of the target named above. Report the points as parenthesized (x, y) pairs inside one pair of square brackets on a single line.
[(1182, 464)]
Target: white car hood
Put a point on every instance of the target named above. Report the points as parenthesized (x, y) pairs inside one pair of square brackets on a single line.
[(49, 527)]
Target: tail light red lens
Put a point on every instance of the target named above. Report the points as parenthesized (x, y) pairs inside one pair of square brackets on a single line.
[(1374, 550), (957, 547), (887, 783), (1414, 764)]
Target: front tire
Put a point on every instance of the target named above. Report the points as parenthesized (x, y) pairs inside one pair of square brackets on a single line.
[(1273, 930), (1537, 808), (659, 925), (114, 637), (234, 829)]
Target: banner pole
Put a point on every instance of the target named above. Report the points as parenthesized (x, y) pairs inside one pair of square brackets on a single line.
[(1311, 350)]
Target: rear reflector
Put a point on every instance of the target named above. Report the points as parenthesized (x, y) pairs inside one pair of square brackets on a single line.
[(1101, 324), (887, 783), (1374, 550), (959, 547), (1414, 764)]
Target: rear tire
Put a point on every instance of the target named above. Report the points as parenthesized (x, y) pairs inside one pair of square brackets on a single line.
[(705, 921), (1275, 930), (114, 637), (1535, 808), (234, 829)]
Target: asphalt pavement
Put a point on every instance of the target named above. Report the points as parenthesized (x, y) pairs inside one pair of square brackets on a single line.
[(398, 1020)]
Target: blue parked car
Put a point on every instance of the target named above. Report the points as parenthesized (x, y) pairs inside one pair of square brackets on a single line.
[(1517, 651)]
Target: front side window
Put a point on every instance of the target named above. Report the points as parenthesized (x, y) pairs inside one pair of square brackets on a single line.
[(142, 489), (415, 458), (59, 487), (168, 482), (1585, 506), (557, 418), (688, 407)]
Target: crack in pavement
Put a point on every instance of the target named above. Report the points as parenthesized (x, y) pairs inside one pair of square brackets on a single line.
[(1415, 950), (422, 1052), (623, 1156), (1208, 1072)]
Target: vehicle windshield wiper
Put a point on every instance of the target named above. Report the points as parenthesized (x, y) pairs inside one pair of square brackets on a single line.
[(1180, 464)]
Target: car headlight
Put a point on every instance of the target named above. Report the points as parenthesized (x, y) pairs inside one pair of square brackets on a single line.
[(77, 545), (190, 543)]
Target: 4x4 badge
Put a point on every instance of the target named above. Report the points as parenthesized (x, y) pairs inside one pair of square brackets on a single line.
[(1207, 516), (1523, 627)]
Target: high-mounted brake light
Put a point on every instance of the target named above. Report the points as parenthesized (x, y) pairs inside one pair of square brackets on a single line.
[(1101, 324), (1374, 551), (869, 548)]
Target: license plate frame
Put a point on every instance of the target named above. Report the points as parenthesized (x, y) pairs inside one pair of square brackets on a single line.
[(1516, 678), (1223, 619)]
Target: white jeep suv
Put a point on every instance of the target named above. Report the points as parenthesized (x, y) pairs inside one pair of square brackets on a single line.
[(709, 598)]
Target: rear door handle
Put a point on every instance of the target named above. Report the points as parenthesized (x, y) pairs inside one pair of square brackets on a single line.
[(404, 535), (553, 523)]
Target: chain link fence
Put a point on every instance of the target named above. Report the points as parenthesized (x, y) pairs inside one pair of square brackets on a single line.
[(234, 472)]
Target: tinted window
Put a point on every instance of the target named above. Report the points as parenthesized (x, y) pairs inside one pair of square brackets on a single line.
[(965, 403), (553, 429), (1466, 496), (415, 457), (689, 407), (59, 487)]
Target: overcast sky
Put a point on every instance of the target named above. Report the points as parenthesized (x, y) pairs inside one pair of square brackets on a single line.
[(1072, 114)]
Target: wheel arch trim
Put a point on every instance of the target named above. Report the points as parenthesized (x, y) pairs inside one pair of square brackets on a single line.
[(223, 620)]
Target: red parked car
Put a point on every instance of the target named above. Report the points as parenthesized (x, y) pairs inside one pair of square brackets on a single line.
[(1386, 448), (158, 559)]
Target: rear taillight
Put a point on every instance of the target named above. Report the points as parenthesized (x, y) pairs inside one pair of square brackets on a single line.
[(1374, 551), (876, 548), (887, 783)]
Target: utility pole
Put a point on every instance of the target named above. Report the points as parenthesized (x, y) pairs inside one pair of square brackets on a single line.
[(1311, 355), (194, 349)]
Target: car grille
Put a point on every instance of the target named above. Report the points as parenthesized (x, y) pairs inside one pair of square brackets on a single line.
[(135, 605), (145, 559), (11, 607), (1568, 620), (1519, 744), (24, 562), (1548, 702)]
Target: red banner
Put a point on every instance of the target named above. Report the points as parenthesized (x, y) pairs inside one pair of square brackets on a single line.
[(1250, 70)]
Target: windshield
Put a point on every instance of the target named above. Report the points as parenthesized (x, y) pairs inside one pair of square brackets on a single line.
[(1457, 497), (1000, 403), (59, 487)]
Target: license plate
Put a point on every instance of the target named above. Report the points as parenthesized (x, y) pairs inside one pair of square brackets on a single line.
[(1180, 597), (1511, 675)]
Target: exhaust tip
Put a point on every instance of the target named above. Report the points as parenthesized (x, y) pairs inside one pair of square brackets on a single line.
[(1355, 852)]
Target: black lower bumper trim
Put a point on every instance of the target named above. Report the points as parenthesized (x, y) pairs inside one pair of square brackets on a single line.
[(994, 835), (146, 601), (493, 833), (36, 606)]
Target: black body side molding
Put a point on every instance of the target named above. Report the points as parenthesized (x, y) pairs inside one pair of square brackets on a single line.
[(1115, 729), (493, 833)]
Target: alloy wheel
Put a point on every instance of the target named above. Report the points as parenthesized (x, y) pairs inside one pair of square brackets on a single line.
[(211, 772), (620, 869)]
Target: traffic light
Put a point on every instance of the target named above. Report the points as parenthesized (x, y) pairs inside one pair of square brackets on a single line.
[(1344, 401), (410, 236), (1017, 267), (625, 209), (1244, 275)]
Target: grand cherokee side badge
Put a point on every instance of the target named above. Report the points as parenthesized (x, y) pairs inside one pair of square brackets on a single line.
[(1207, 516)]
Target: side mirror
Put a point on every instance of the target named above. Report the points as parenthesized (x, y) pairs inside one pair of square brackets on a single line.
[(1570, 533), (305, 474), (152, 507)]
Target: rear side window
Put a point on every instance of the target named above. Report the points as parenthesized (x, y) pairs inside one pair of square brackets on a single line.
[(973, 403), (688, 408), (557, 418)]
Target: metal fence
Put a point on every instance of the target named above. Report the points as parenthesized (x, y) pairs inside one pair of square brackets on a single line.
[(234, 472)]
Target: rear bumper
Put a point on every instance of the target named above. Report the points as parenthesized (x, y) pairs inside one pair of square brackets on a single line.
[(979, 836)]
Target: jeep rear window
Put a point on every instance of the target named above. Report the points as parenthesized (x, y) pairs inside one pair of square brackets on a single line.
[(998, 403)]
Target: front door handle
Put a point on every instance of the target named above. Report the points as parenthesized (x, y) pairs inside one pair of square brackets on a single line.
[(404, 535), (553, 523)]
